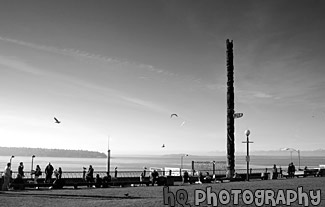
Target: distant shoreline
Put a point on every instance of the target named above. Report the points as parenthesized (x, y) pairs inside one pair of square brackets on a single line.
[(42, 152)]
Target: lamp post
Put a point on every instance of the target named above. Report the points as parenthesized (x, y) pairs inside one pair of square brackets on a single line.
[(180, 170), (291, 150), (11, 159), (247, 133), (31, 170)]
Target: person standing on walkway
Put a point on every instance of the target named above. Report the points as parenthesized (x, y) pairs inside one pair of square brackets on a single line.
[(293, 170), (154, 176), (21, 170), (60, 173), (90, 175), (38, 172), (115, 172), (7, 177), (275, 172), (48, 172)]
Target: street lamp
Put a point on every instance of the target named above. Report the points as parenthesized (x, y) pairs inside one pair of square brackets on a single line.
[(180, 170), (291, 150), (247, 133), (11, 159), (31, 170)]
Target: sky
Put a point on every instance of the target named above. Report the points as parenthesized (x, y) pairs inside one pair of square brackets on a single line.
[(113, 71)]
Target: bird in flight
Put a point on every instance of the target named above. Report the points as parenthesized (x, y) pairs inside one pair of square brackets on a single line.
[(171, 116), (57, 121), (163, 146), (126, 194)]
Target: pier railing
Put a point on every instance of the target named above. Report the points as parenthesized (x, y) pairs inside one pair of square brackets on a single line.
[(80, 174)]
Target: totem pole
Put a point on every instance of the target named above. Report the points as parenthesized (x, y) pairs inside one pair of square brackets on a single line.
[(230, 111)]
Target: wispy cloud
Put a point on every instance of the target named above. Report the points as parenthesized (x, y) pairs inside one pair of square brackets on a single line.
[(145, 104), (121, 97), (14, 63), (84, 55), (89, 56)]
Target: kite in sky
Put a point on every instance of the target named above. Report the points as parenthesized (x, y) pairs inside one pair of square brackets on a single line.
[(171, 116), (57, 121)]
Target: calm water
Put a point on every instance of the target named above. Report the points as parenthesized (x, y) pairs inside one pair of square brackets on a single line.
[(138, 162)]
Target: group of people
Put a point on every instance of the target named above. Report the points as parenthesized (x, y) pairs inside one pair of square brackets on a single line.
[(7, 175), (88, 176), (49, 171)]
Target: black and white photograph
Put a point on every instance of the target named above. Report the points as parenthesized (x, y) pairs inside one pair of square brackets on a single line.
[(162, 103)]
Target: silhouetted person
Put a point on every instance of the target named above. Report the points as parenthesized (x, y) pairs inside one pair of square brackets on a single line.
[(154, 176), (90, 175), (143, 174), (6, 177), (275, 172), (59, 182), (185, 177), (115, 172), (56, 174), (38, 173), (291, 170), (207, 178), (48, 171), (98, 181), (21, 170), (60, 172)]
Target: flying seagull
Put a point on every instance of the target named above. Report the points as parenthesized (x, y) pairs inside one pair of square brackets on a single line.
[(171, 116), (57, 121)]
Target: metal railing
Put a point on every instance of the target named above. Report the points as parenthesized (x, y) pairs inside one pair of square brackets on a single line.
[(80, 174)]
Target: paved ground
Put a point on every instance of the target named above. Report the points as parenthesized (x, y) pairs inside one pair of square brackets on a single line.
[(284, 191)]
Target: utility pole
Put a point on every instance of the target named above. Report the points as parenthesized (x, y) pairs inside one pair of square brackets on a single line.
[(230, 111), (108, 158)]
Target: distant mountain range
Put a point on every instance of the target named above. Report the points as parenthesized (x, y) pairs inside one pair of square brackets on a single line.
[(316, 153), (41, 152)]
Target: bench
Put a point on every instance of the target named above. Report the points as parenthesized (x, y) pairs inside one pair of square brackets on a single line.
[(304, 173), (125, 181), (76, 182)]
